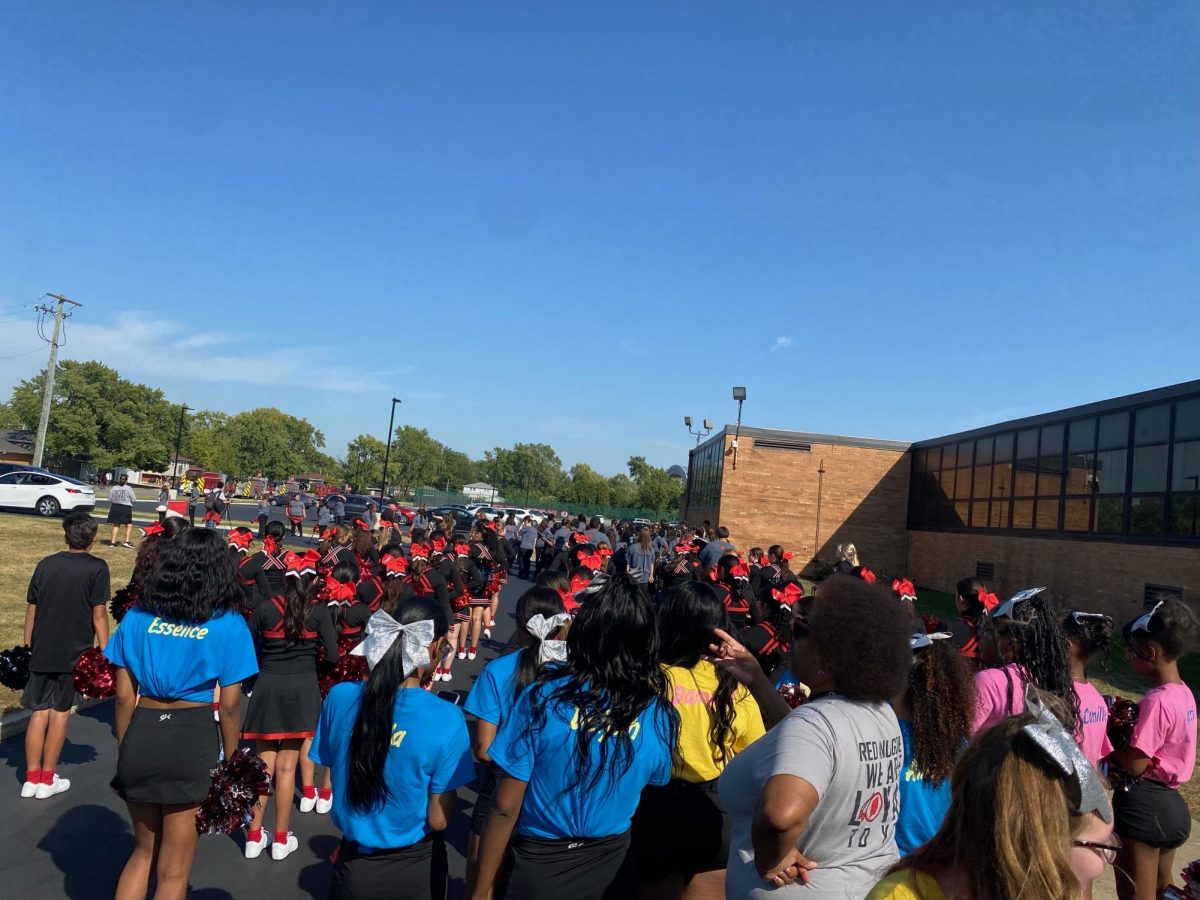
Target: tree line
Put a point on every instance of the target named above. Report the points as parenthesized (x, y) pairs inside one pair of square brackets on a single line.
[(111, 421)]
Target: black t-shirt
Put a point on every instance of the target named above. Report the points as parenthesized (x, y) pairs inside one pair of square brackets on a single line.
[(65, 587)]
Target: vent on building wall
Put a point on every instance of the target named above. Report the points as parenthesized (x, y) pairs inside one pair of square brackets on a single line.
[(985, 570), (1155, 592), (802, 446)]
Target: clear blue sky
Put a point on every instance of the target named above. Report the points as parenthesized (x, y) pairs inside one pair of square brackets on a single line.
[(578, 222)]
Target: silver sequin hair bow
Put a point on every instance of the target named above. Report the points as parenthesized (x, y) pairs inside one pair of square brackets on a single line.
[(382, 631), (540, 627), (1061, 751)]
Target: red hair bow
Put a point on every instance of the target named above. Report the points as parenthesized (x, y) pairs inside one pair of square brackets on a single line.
[(580, 538), (764, 561), (605, 551), (298, 565), (418, 551), (591, 561), (790, 594), (338, 591), (578, 583), (153, 528), (462, 549), (904, 588), (239, 539), (787, 555), (989, 601), (270, 545), (682, 548), (394, 566), (329, 533), (741, 570), (489, 525), (439, 544), (361, 525), (866, 575)]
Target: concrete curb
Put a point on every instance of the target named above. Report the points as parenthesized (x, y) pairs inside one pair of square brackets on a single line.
[(14, 723)]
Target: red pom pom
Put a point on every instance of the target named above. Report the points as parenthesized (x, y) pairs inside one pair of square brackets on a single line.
[(95, 676), (792, 695), (347, 668), (237, 783)]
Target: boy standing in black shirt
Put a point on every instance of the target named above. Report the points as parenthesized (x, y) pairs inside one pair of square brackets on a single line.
[(67, 606)]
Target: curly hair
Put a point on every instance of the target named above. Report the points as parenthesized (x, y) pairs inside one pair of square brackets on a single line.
[(151, 548), (195, 579), (1172, 626), (941, 693), (1091, 635), (1040, 649), (850, 615)]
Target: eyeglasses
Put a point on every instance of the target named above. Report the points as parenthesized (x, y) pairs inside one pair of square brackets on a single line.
[(1108, 852)]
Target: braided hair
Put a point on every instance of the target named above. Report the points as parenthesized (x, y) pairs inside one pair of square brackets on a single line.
[(1039, 648), (1091, 633)]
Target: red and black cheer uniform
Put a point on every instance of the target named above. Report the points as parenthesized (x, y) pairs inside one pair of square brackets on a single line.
[(369, 590), (738, 601), (271, 562), (286, 702)]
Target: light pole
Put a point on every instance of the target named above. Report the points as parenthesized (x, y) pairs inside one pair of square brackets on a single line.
[(708, 426), (739, 394), (387, 455), (178, 440)]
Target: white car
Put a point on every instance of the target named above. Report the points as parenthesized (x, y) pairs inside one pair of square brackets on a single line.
[(45, 493)]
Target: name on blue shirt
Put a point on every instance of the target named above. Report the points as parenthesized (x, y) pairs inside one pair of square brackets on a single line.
[(169, 629)]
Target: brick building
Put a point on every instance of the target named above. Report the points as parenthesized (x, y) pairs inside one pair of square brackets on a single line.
[(1100, 503)]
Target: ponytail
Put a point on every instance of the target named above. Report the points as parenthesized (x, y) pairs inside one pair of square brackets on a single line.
[(298, 593), (543, 601)]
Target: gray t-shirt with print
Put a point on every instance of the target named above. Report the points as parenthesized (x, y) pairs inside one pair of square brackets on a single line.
[(122, 494), (853, 754)]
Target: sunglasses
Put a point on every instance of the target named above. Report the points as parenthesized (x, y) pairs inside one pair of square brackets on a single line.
[(1108, 852)]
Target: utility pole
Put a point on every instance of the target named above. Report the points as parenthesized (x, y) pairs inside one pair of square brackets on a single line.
[(39, 446)]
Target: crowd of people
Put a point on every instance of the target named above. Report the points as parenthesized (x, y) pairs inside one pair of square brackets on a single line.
[(675, 718)]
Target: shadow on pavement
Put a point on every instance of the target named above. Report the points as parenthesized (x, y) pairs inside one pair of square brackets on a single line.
[(12, 754), (89, 845), (314, 879)]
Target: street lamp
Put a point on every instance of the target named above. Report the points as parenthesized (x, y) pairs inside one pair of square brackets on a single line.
[(387, 455), (708, 426), (739, 394), (178, 440)]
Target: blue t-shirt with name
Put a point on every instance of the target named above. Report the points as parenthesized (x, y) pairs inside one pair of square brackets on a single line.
[(491, 698), (430, 754), (555, 808), (180, 660), (923, 806)]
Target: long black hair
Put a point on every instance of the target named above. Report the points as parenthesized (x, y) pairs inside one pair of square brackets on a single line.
[(151, 548), (941, 694), (371, 737), (555, 579), (298, 594), (548, 603), (347, 572), (1040, 649), (687, 617), (612, 677), (194, 580)]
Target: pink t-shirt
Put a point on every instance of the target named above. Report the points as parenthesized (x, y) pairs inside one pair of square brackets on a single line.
[(1165, 731), (991, 696), (1092, 734)]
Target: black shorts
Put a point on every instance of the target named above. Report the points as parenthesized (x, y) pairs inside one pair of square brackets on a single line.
[(417, 872), (49, 690), (1152, 813), (483, 799), (167, 756), (680, 829), (120, 514), (575, 868)]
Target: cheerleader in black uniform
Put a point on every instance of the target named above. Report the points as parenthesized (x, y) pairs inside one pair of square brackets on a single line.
[(396, 590), (488, 557), (770, 639), (469, 616), (776, 574), (499, 552), (442, 560), (270, 561), (756, 562), (286, 703), (362, 543), (251, 579), (731, 578), (425, 580), (680, 568), (334, 547)]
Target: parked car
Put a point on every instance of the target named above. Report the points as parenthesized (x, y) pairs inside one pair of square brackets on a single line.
[(285, 498), (45, 493)]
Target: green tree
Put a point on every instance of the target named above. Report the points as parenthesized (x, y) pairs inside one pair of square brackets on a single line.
[(586, 485), (622, 491), (455, 470), (270, 441), (530, 471), (656, 489), (364, 462), (208, 440), (414, 461), (96, 413)]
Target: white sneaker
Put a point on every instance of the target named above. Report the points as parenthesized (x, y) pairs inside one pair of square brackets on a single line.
[(29, 789), (49, 790), (487, 633), (283, 851), (307, 803), (462, 652), (471, 653), (446, 676), (254, 849), (323, 805)]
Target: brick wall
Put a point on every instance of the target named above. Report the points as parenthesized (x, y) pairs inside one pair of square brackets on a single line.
[(771, 498), (1098, 576)]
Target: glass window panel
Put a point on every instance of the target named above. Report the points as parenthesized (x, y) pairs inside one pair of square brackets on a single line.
[(1187, 420), (1146, 515), (1025, 467), (965, 451), (1050, 463), (1114, 432), (1081, 456), (949, 457), (1022, 514), (1047, 514), (1002, 480), (947, 481), (1185, 515), (983, 451), (1077, 513), (979, 514), (999, 514), (1082, 436), (1004, 447), (1110, 471), (1151, 425), (915, 509), (930, 515), (1109, 511), (983, 482), (921, 461), (1150, 469), (962, 512), (1185, 467), (962, 485)]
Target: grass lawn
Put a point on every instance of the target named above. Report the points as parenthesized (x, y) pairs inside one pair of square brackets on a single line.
[(1113, 677)]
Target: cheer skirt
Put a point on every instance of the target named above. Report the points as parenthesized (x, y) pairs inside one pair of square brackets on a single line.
[(283, 707), (1152, 813), (416, 872), (680, 829), (167, 755), (578, 868)]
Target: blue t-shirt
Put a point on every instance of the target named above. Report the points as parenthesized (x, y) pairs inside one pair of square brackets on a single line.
[(491, 699), (430, 754), (181, 661), (555, 808), (923, 807)]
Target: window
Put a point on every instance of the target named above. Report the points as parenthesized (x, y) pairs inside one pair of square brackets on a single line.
[(704, 491), (1025, 468), (1185, 471), (983, 471), (1150, 449), (1111, 453), (1002, 468)]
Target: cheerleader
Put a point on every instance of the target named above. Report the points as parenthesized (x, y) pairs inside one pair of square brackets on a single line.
[(775, 574), (731, 578), (681, 567), (770, 639), (269, 561), (286, 703), (251, 578), (181, 640), (973, 601), (154, 540), (539, 642), (443, 560), (396, 589), (1088, 636), (1151, 818), (575, 752), (398, 755), (335, 547), (488, 555), (847, 559), (362, 544)]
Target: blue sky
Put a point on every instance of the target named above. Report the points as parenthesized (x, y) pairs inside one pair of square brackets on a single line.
[(579, 222)]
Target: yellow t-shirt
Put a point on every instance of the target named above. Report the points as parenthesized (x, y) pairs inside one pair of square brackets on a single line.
[(907, 884), (691, 692)]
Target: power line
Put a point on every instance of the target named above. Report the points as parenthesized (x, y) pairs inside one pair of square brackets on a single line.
[(18, 355)]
